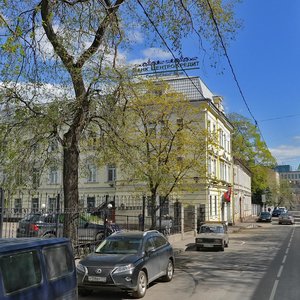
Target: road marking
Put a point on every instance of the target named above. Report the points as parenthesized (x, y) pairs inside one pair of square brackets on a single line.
[(274, 290), (280, 271), (284, 258)]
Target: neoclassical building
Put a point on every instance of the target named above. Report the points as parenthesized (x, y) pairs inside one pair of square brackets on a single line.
[(212, 200)]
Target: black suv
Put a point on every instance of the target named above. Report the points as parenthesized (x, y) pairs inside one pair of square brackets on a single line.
[(128, 261), (46, 225)]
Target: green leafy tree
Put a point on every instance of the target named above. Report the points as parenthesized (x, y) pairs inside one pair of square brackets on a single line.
[(160, 143), (64, 52), (248, 146)]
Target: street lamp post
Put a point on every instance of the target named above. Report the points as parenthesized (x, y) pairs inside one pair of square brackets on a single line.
[(107, 207)]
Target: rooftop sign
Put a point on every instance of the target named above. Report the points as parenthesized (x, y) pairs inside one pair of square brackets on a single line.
[(165, 66)]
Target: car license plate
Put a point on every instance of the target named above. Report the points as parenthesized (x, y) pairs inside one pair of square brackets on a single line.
[(208, 245), (97, 278)]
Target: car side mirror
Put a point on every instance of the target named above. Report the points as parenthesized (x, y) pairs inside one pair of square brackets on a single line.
[(86, 225), (149, 250)]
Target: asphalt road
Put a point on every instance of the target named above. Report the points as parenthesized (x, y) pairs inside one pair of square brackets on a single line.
[(260, 263)]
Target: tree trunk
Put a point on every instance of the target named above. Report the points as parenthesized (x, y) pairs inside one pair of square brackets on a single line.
[(70, 184)]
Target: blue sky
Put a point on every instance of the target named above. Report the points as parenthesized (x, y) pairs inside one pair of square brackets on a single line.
[(265, 57), (266, 60)]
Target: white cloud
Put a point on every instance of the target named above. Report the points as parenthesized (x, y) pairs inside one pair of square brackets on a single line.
[(136, 36), (156, 53), (297, 138), (152, 54), (286, 154)]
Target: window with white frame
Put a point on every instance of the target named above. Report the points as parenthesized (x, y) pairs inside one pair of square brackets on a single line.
[(213, 167), (53, 176), (35, 178), (18, 205), (92, 173), (52, 203), (209, 166), (111, 173), (210, 205), (216, 206), (35, 204), (222, 170)]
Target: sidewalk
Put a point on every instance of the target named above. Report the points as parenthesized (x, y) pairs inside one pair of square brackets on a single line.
[(181, 242)]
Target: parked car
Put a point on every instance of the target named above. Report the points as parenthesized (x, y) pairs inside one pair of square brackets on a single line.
[(283, 209), (128, 261), (46, 225), (212, 236), (286, 218), (276, 212), (36, 268), (279, 210), (264, 216)]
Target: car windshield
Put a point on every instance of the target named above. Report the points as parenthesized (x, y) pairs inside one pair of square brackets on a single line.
[(32, 218), (119, 245), (265, 214), (214, 229), (284, 215)]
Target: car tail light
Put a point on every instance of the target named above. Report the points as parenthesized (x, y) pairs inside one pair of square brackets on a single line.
[(34, 227)]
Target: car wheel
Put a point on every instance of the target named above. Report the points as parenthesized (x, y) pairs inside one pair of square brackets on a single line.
[(226, 244), (84, 292), (142, 283), (99, 236), (169, 272), (198, 248)]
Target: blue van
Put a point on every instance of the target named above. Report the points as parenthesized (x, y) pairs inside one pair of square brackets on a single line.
[(37, 268)]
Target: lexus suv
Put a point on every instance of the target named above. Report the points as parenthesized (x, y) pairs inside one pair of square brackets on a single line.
[(128, 261)]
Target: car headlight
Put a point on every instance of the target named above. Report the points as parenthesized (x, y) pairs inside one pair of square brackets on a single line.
[(126, 268), (81, 268), (199, 240)]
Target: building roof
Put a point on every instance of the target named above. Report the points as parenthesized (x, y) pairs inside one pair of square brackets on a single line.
[(193, 87)]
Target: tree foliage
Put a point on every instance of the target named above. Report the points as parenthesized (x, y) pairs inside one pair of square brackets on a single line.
[(64, 52), (160, 142), (248, 146)]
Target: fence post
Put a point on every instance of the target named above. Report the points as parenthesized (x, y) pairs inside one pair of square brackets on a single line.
[(105, 216), (57, 213), (144, 207), (1, 210), (182, 221)]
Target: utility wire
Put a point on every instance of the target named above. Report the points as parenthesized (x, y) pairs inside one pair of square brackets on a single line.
[(226, 54), (167, 46), (231, 68), (278, 118)]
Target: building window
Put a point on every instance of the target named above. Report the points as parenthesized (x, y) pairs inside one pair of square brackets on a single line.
[(35, 204), (53, 146), (111, 173), (209, 166), (52, 204), (53, 176), (90, 203), (35, 178), (210, 205), (18, 206), (92, 173), (216, 206)]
